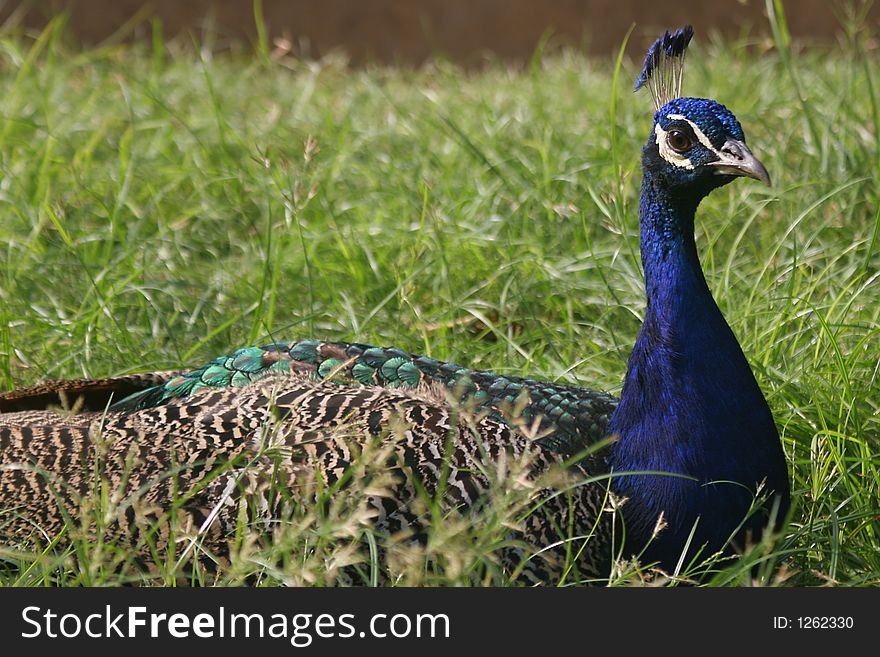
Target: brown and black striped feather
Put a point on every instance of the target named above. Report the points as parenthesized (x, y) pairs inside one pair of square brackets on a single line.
[(188, 454), (83, 394)]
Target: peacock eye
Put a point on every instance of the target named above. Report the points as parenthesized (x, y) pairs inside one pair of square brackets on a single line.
[(678, 141)]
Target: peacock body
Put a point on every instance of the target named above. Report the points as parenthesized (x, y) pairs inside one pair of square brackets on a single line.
[(411, 409), (694, 439)]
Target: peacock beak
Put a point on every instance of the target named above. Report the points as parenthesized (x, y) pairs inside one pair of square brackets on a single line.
[(735, 159)]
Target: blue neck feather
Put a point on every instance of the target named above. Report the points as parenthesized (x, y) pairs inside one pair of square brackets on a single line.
[(690, 404)]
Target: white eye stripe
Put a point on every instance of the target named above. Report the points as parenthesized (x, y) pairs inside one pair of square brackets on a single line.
[(667, 153), (670, 155), (701, 137)]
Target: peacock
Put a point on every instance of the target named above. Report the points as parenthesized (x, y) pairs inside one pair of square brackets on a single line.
[(693, 464)]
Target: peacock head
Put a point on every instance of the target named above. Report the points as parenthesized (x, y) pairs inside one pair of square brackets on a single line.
[(696, 144)]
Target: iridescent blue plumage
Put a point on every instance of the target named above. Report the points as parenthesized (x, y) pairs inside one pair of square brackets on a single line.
[(715, 121), (690, 407)]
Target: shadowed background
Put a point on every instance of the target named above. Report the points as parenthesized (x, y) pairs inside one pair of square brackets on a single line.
[(410, 31)]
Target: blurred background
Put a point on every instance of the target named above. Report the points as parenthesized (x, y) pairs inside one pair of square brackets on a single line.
[(411, 31)]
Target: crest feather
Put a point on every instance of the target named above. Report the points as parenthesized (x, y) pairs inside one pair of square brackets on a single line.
[(664, 66)]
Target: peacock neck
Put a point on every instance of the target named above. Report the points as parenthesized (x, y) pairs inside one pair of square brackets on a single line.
[(684, 340), (669, 254), (685, 353), (690, 404)]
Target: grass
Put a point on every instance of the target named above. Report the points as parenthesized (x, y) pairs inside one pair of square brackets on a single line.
[(162, 204)]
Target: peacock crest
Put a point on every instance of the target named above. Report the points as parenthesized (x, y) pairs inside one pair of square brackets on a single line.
[(663, 70)]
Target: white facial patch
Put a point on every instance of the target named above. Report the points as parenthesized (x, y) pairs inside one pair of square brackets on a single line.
[(670, 155), (667, 153)]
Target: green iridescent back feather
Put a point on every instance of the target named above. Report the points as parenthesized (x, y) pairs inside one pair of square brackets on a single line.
[(569, 417)]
